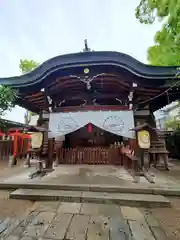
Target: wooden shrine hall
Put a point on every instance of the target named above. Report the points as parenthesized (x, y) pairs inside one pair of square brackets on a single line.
[(92, 102)]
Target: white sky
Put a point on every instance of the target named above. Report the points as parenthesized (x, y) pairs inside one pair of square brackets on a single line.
[(43, 29)]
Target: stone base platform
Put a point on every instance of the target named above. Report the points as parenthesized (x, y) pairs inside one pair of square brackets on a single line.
[(123, 199)]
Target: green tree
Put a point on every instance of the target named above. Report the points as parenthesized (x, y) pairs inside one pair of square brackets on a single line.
[(167, 41), (7, 98), (173, 124), (26, 66)]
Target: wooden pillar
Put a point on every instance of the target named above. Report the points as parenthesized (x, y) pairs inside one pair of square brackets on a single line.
[(40, 119), (137, 151), (58, 146), (134, 145), (49, 161), (152, 122), (151, 119), (139, 154)]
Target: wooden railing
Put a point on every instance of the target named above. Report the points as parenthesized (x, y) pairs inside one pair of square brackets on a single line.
[(158, 146), (90, 155), (159, 152)]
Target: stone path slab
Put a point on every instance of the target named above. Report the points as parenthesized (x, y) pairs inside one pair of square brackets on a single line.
[(141, 231), (45, 206), (106, 210), (78, 227), (65, 207), (18, 231), (98, 228), (127, 224), (39, 225), (58, 227), (133, 214)]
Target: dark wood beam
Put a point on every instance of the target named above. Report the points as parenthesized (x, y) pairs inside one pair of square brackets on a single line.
[(72, 84), (28, 105), (90, 108), (91, 96), (106, 76)]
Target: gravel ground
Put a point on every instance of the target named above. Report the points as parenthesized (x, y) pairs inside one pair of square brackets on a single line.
[(174, 172), (6, 171), (12, 207), (169, 218)]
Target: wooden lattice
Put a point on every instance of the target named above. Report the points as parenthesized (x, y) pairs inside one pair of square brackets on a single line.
[(90, 156)]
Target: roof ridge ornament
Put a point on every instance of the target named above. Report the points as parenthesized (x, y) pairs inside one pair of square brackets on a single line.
[(87, 79), (86, 49)]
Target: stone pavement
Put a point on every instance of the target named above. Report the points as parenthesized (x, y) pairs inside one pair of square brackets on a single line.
[(83, 221)]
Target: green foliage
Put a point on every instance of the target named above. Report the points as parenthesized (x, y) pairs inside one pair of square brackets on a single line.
[(173, 143), (27, 117), (166, 50), (27, 65), (7, 98), (8, 95), (173, 124)]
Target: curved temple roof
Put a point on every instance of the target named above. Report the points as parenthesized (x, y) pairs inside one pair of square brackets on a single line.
[(115, 72), (89, 59)]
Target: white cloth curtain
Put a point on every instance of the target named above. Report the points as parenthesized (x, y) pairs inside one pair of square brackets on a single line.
[(117, 122)]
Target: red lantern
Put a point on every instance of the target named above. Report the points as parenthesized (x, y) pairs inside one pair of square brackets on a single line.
[(89, 127)]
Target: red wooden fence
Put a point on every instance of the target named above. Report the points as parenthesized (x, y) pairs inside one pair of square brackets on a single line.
[(7, 148)]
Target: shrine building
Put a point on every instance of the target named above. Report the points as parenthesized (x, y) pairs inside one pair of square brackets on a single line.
[(94, 99)]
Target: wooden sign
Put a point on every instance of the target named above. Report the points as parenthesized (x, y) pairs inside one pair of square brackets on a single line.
[(143, 138)]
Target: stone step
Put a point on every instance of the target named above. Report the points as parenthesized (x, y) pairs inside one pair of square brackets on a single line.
[(132, 188), (124, 199)]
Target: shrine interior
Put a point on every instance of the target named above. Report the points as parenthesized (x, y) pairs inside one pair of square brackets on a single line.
[(91, 136)]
